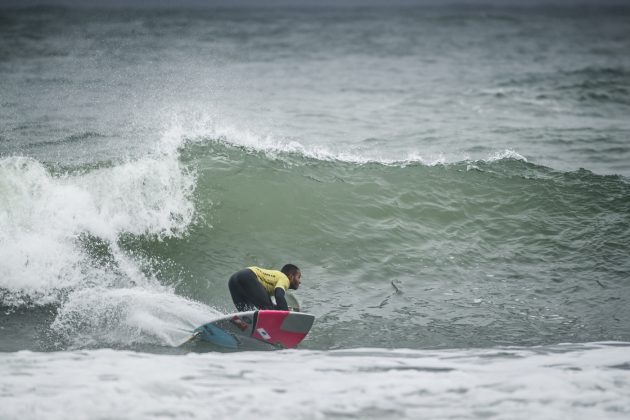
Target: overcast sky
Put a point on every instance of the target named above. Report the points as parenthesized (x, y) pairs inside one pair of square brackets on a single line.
[(310, 3)]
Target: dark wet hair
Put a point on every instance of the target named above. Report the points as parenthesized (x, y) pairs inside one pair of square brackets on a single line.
[(290, 269)]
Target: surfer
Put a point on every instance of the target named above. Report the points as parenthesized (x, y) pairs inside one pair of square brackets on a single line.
[(253, 287)]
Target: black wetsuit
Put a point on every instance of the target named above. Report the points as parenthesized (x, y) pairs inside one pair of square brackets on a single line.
[(248, 294)]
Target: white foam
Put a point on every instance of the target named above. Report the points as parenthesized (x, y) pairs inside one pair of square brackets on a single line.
[(572, 381), (43, 216), (505, 154), (202, 129), (128, 316), (149, 196)]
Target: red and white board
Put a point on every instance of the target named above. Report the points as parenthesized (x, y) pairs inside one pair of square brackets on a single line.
[(256, 330)]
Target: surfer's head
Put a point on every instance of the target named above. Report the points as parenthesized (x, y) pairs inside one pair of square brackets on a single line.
[(294, 275)]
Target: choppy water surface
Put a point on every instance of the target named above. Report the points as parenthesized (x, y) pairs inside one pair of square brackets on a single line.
[(581, 381), (447, 179)]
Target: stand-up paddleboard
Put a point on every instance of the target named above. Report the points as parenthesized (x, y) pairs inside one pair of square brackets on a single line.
[(256, 330)]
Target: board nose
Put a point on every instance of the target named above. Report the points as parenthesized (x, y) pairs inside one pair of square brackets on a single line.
[(297, 323)]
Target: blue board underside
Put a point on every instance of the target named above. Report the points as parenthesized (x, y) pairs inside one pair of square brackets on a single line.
[(236, 331), (233, 333), (217, 336)]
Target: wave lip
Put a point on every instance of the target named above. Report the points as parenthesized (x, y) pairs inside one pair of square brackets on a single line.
[(295, 152), (45, 218)]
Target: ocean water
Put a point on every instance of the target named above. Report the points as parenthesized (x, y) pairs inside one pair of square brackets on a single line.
[(453, 182)]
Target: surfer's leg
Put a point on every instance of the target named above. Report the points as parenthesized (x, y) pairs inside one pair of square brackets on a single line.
[(255, 292), (239, 297)]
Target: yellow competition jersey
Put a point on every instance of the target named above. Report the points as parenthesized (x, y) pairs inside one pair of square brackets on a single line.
[(271, 279)]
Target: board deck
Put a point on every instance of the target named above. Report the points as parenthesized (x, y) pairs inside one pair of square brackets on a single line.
[(256, 330)]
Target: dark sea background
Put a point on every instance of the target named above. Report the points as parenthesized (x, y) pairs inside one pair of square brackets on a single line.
[(454, 183)]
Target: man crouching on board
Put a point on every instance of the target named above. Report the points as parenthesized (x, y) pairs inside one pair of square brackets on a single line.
[(252, 287)]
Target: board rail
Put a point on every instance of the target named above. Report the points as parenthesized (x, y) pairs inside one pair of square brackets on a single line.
[(255, 330)]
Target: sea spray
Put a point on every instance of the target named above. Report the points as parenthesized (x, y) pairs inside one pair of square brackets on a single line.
[(127, 317), (45, 217)]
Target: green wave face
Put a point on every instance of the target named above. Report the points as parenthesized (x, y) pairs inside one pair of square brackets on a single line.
[(473, 253)]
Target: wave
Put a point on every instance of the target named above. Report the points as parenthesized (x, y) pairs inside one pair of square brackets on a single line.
[(46, 220), (80, 137), (96, 242), (209, 134), (593, 86), (61, 231)]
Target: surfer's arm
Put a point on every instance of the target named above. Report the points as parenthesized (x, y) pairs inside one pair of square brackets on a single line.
[(281, 302)]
